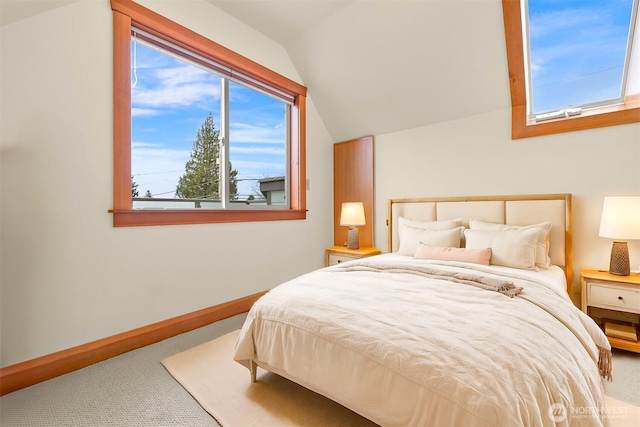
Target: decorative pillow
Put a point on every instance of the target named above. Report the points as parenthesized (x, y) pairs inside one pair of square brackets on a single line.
[(476, 256), (542, 245), (412, 237), (510, 248), (427, 225)]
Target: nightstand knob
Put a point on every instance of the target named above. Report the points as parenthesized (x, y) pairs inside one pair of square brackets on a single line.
[(620, 298), (339, 261)]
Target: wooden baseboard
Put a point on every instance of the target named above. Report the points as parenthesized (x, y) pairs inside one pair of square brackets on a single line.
[(30, 372)]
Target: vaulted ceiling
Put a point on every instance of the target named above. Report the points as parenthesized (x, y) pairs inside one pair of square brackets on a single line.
[(376, 66), (15, 10)]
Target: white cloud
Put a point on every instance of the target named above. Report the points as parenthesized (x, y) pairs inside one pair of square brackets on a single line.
[(143, 112), (248, 133), (257, 168), (156, 168), (182, 75), (137, 144), (545, 23), (271, 151), (175, 87)]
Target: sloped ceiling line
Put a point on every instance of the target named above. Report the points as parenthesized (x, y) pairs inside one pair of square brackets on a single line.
[(378, 66)]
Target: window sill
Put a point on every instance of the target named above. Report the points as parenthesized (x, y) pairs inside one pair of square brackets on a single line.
[(626, 113), (135, 218)]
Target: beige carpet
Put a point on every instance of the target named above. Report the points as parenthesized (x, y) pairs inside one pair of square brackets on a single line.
[(223, 389)]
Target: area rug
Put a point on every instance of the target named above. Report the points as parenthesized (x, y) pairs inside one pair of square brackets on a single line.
[(223, 388)]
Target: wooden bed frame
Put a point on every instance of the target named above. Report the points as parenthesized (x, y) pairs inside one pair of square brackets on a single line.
[(513, 209)]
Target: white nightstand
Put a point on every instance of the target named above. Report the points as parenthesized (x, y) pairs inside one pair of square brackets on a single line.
[(618, 293), (337, 254)]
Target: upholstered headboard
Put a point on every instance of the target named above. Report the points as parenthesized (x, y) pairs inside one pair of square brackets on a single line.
[(513, 210)]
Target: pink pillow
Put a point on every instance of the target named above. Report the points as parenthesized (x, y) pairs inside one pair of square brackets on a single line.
[(476, 256)]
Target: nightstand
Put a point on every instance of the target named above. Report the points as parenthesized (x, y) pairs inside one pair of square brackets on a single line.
[(617, 293), (337, 254)]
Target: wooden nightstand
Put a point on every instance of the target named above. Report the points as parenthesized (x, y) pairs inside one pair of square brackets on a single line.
[(618, 293), (337, 254)]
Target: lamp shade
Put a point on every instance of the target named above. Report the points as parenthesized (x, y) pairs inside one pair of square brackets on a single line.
[(352, 214), (620, 218)]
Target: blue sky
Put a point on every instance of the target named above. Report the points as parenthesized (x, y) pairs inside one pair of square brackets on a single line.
[(170, 100), (578, 50)]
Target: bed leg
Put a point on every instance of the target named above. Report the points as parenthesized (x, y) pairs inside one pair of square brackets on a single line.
[(253, 367)]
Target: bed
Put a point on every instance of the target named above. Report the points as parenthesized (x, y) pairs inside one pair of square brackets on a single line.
[(466, 320)]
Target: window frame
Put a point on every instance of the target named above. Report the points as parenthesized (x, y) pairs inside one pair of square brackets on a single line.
[(524, 127), (128, 14)]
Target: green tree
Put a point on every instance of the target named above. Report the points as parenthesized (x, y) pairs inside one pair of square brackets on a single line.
[(201, 178), (134, 188)]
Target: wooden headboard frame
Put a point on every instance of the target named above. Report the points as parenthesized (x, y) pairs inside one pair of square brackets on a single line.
[(515, 210)]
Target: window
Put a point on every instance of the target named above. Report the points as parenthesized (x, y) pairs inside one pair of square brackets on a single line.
[(577, 56), (201, 134), (570, 65), (201, 139)]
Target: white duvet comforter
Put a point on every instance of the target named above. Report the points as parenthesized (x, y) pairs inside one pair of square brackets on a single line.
[(405, 350)]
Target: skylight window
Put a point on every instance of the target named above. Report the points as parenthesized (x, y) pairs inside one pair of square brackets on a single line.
[(577, 55), (584, 35)]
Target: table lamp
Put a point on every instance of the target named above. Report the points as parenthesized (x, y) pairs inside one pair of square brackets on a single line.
[(352, 215), (621, 222)]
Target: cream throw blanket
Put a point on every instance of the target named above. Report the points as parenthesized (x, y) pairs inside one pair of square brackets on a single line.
[(404, 349), (505, 287)]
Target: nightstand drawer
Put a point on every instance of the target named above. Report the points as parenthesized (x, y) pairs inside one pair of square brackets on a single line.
[(340, 258), (609, 296)]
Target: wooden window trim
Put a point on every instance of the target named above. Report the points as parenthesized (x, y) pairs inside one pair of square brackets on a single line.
[(126, 14), (521, 126)]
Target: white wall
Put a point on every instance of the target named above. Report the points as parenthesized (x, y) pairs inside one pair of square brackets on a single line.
[(476, 156), (67, 275)]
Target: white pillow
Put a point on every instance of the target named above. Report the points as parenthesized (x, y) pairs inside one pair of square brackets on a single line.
[(542, 244), (427, 225), (510, 248), (412, 237)]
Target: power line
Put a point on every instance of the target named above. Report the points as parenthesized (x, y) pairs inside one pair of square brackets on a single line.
[(156, 173), (571, 78)]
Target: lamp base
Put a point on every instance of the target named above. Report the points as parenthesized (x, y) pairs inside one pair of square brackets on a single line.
[(353, 241), (619, 263)]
